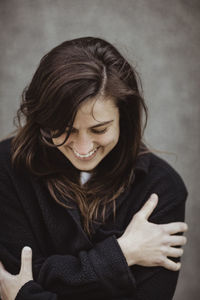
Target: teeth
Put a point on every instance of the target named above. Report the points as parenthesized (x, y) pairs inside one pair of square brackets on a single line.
[(85, 155)]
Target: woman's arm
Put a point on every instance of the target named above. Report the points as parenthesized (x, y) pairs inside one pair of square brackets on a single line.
[(94, 272), (99, 271), (159, 282), (11, 284), (147, 244), (144, 289)]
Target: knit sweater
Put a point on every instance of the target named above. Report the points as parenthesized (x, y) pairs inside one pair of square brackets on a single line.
[(67, 264)]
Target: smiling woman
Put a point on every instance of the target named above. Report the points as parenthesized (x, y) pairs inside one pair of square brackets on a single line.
[(94, 134), (102, 214)]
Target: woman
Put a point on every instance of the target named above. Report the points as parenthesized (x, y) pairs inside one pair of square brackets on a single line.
[(76, 181)]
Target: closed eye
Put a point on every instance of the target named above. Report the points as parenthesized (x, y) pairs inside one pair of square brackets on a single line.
[(95, 131), (99, 131)]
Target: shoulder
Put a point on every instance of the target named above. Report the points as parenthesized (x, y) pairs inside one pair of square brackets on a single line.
[(5, 146), (5, 152), (12, 177), (6, 172), (161, 169), (6, 166), (156, 175)]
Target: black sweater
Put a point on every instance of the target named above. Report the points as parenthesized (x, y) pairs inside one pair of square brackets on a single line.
[(67, 264)]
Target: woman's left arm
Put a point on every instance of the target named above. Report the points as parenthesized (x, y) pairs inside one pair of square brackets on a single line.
[(11, 284)]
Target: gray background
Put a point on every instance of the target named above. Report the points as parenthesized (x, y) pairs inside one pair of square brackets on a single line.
[(162, 39)]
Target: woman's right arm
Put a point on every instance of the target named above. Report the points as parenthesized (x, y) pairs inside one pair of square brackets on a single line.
[(148, 244)]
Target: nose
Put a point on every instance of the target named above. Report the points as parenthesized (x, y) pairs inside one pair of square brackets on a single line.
[(83, 144)]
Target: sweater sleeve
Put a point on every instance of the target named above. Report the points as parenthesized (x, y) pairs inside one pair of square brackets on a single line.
[(94, 272), (158, 282)]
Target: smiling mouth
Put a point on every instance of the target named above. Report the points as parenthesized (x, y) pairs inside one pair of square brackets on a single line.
[(85, 156)]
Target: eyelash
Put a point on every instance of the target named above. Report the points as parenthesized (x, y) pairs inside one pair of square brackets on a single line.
[(99, 131), (94, 131)]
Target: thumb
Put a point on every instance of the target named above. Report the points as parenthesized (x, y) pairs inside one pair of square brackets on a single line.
[(26, 261), (149, 206)]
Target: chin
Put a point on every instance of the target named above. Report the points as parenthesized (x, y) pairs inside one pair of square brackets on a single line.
[(86, 167)]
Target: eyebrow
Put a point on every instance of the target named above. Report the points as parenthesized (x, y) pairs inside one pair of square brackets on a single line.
[(101, 124)]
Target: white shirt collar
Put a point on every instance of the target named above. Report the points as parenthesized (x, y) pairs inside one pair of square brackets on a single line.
[(84, 177)]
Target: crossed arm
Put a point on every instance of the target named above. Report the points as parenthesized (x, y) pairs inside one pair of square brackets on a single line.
[(149, 281), (101, 271)]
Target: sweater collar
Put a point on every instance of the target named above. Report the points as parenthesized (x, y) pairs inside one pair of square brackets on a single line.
[(141, 167)]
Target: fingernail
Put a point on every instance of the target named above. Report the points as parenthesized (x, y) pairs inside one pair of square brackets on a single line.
[(154, 197), (27, 248)]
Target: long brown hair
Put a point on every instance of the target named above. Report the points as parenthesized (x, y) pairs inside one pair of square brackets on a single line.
[(68, 75)]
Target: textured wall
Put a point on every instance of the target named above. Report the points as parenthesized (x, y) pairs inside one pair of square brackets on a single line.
[(162, 38)]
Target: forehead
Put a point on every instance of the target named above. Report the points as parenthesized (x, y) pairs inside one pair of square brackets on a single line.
[(96, 110)]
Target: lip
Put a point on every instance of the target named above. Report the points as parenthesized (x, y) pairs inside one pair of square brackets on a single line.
[(85, 158)]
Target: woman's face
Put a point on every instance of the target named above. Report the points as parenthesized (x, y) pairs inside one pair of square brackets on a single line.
[(95, 133)]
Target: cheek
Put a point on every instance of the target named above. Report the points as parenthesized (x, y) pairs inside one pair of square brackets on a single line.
[(110, 138)]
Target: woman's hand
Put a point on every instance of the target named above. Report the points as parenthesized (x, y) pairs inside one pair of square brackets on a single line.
[(148, 244), (11, 284)]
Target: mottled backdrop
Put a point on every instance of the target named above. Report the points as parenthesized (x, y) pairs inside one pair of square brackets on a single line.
[(162, 39)]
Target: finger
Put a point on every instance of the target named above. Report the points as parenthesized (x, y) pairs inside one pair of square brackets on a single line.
[(175, 227), (2, 266), (3, 275), (177, 240), (149, 206), (174, 252), (26, 261), (171, 265), (2, 270)]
